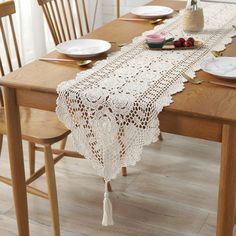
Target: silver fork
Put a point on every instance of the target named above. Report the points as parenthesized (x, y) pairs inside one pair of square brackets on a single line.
[(193, 81), (217, 53)]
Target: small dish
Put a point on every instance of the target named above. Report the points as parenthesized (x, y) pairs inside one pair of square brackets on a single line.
[(168, 45), (155, 38), (160, 43)]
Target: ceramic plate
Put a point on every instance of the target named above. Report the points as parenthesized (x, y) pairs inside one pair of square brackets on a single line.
[(221, 1), (224, 67), (83, 48), (152, 11)]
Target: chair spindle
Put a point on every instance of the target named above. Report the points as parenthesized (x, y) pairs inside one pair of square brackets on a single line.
[(72, 18), (79, 17), (118, 8), (64, 16), (85, 15), (6, 46), (15, 41), (65, 19), (59, 39)]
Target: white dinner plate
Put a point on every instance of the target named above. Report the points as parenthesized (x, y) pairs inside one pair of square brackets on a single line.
[(83, 48), (224, 67), (221, 1), (152, 11)]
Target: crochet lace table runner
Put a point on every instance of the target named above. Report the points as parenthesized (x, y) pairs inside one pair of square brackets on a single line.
[(112, 109)]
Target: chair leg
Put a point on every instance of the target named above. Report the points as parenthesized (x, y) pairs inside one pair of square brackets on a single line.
[(31, 158), (1, 140), (235, 211), (63, 143), (160, 137), (124, 171), (52, 189), (109, 187)]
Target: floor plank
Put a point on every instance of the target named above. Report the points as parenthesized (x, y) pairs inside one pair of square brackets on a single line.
[(172, 191)]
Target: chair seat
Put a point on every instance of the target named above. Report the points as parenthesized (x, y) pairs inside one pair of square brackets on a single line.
[(42, 127)]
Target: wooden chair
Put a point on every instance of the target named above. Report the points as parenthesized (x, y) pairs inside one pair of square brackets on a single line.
[(62, 23), (38, 127)]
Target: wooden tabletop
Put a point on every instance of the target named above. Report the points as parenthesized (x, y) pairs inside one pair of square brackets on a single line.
[(205, 100)]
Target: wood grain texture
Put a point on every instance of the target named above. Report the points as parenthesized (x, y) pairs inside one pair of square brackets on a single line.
[(117, 8), (32, 121), (227, 187), (191, 126), (31, 147), (15, 41), (52, 189), (6, 47), (16, 161), (7, 8), (1, 138), (29, 189), (194, 100), (62, 21), (172, 191), (37, 126)]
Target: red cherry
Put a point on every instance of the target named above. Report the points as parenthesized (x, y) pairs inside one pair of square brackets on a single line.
[(187, 44), (177, 43), (182, 41), (190, 42), (191, 39)]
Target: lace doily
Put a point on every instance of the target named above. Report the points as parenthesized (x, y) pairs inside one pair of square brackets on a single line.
[(112, 109)]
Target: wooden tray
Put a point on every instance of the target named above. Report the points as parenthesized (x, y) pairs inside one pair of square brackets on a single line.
[(170, 46)]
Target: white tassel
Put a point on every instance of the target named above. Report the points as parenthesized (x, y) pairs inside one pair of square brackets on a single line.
[(107, 208)]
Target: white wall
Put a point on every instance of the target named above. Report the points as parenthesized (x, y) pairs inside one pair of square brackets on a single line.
[(109, 7)]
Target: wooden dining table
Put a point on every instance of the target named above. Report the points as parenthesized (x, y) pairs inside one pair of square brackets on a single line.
[(203, 111)]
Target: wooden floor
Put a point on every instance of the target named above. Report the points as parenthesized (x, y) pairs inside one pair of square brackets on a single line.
[(171, 192)]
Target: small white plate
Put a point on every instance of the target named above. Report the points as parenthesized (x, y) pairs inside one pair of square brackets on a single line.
[(152, 11), (224, 67), (83, 48)]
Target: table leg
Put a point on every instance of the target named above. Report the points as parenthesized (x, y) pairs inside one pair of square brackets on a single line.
[(16, 161), (227, 185)]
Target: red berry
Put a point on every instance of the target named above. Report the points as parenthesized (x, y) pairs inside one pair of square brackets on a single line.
[(187, 44), (190, 39), (182, 41), (177, 43), (190, 42)]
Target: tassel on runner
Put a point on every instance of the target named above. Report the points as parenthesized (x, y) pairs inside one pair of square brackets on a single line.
[(107, 208)]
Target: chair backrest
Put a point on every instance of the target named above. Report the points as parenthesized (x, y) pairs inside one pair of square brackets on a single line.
[(7, 8), (63, 20)]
